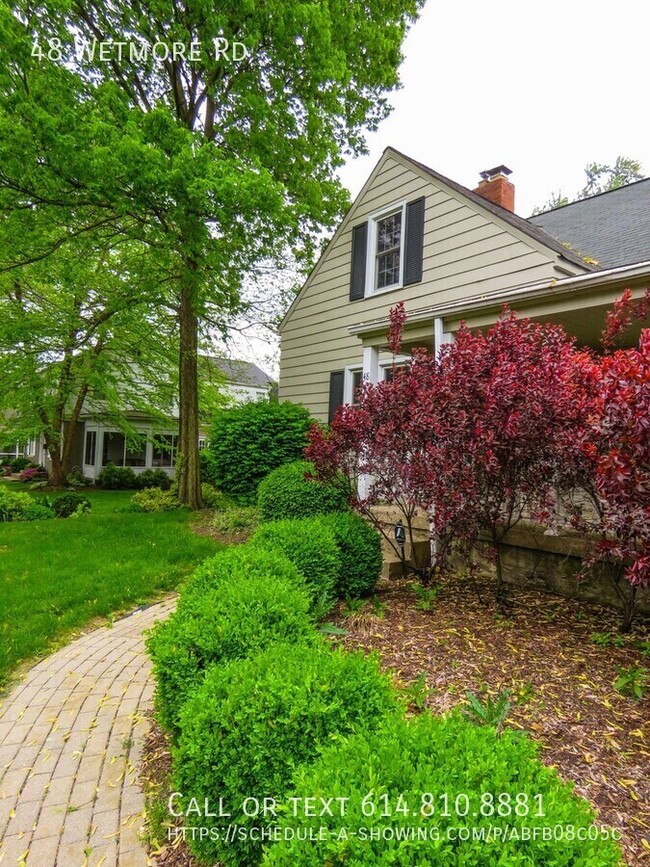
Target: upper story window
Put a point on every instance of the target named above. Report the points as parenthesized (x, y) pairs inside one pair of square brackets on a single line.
[(388, 256), (388, 249)]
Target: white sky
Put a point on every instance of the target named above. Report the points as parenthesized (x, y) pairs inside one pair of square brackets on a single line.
[(544, 88)]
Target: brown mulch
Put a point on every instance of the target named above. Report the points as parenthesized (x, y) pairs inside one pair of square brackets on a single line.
[(561, 684)]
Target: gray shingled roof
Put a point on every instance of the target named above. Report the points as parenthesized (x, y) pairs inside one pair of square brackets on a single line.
[(241, 372), (613, 228)]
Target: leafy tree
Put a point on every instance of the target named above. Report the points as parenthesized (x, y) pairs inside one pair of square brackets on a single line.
[(73, 335), (600, 179), (615, 448), (213, 163)]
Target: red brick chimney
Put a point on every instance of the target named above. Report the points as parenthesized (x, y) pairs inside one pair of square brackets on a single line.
[(495, 187)]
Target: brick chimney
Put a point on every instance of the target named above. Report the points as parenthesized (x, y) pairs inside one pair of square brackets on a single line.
[(495, 187)]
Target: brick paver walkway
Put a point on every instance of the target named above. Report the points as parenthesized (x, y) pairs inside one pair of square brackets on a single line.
[(71, 737)]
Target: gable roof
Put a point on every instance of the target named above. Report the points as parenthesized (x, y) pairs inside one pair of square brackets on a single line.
[(535, 232), (612, 227), (238, 372)]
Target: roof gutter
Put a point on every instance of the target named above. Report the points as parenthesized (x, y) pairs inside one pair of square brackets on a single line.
[(593, 280)]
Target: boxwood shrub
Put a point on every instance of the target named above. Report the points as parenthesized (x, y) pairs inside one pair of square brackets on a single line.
[(310, 546), (153, 479), (249, 441), (359, 547), (240, 616), (116, 478), (70, 503), (253, 721), (238, 563), (288, 493), (450, 759)]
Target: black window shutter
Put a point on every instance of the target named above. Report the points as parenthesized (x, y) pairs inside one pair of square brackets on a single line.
[(336, 392), (414, 245), (358, 269)]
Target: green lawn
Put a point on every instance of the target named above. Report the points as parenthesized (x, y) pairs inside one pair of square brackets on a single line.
[(57, 575)]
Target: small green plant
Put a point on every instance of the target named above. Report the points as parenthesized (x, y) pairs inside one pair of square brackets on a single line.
[(426, 596), (631, 681), (644, 647), (353, 606), (236, 519), (378, 607), (606, 639), (70, 504), (417, 692), (491, 712), (154, 500), (524, 693), (212, 497)]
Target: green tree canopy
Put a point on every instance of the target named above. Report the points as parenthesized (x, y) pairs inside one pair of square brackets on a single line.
[(600, 179), (212, 161)]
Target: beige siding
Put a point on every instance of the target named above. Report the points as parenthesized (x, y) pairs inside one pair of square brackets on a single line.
[(467, 251)]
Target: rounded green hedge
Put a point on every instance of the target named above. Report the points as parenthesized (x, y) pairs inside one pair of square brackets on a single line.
[(310, 546), (253, 721), (237, 563), (67, 504), (359, 546), (287, 493), (457, 764), (250, 440), (242, 615)]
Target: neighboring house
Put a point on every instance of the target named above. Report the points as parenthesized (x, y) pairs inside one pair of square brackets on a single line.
[(452, 254), (97, 441)]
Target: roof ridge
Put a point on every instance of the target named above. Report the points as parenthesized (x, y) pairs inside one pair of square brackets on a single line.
[(589, 198), (521, 223)]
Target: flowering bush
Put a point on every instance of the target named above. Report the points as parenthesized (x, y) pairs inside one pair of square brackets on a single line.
[(33, 474)]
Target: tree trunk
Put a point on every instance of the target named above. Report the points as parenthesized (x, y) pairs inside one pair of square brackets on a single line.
[(187, 462), (57, 475), (629, 610)]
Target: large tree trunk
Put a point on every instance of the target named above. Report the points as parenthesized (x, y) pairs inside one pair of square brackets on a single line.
[(57, 473), (187, 465)]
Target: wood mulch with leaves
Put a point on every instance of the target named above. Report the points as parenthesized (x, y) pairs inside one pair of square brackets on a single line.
[(561, 682)]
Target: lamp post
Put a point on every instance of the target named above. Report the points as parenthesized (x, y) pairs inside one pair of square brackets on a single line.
[(400, 539)]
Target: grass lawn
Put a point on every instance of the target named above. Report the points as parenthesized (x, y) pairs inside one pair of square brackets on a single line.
[(57, 575)]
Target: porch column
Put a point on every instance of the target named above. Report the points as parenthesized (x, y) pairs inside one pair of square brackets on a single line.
[(440, 336), (370, 364), (370, 374)]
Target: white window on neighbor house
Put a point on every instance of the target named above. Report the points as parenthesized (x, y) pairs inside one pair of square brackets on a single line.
[(136, 455), (90, 448), (385, 249), (203, 443), (165, 447)]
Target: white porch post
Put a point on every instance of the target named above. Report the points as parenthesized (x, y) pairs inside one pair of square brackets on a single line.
[(370, 374), (440, 336), (370, 364)]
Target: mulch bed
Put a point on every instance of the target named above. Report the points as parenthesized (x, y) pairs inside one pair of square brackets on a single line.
[(561, 684)]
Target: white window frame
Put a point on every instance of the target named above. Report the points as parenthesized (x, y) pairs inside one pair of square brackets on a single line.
[(348, 381), (371, 252)]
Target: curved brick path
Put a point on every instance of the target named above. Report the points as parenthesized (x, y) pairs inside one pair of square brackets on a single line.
[(71, 737)]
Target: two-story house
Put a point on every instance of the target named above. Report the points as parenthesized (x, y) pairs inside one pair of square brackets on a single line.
[(453, 254)]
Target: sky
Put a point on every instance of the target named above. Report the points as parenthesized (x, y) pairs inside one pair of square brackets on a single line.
[(543, 88)]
